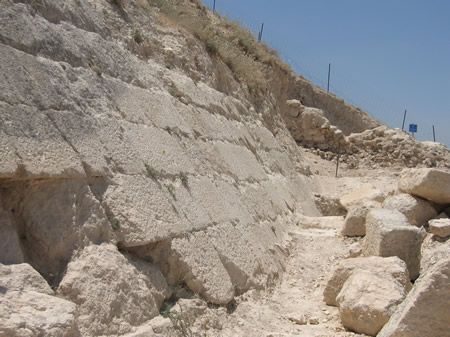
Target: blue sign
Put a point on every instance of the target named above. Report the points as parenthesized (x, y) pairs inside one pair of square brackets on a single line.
[(413, 128)]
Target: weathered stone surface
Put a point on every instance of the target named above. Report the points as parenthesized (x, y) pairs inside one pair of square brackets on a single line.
[(417, 210), (113, 292), (425, 310), (431, 184), (390, 267), (27, 313), (366, 194), (23, 277), (367, 301), (355, 220), (388, 233), (53, 218), (328, 206), (194, 261), (10, 249), (440, 227)]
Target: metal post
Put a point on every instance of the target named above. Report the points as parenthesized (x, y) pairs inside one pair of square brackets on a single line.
[(434, 135), (329, 71), (261, 33), (214, 6), (404, 118), (337, 158)]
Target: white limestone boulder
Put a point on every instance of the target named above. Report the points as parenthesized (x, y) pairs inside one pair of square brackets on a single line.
[(440, 227), (417, 210), (388, 233), (113, 293), (355, 221), (195, 262), (31, 313), (367, 301), (366, 194), (23, 277), (425, 311), (387, 267), (431, 184)]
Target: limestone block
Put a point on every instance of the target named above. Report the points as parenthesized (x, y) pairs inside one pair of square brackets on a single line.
[(431, 184), (240, 162), (195, 262), (425, 310), (10, 249), (113, 292), (355, 220), (367, 301), (390, 267), (42, 150), (328, 205), (367, 193), (22, 277), (417, 210), (440, 227), (238, 254), (31, 313), (388, 233), (294, 107)]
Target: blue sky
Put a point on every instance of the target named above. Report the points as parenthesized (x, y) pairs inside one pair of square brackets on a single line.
[(386, 55)]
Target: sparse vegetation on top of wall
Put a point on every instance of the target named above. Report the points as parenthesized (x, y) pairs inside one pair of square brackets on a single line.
[(228, 40)]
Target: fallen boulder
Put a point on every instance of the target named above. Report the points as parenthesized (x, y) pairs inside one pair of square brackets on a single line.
[(113, 292), (387, 267), (388, 233), (23, 277), (367, 301), (417, 210), (440, 227), (355, 221), (366, 194), (31, 313), (431, 184), (425, 311)]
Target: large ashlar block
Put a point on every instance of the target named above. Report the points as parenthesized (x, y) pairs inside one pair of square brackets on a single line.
[(425, 311), (431, 184), (388, 233), (417, 210)]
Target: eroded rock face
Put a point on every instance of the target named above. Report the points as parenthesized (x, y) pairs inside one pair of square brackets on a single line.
[(417, 210), (10, 249), (431, 184), (367, 301), (425, 310), (113, 293), (388, 233), (387, 267)]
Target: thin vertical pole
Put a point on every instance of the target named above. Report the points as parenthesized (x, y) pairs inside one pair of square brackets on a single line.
[(404, 118), (214, 6), (329, 72), (434, 135), (261, 32), (337, 158)]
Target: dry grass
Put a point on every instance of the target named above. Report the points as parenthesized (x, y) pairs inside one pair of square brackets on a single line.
[(228, 40)]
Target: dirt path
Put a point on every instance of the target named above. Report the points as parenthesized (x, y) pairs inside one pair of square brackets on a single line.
[(295, 307)]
